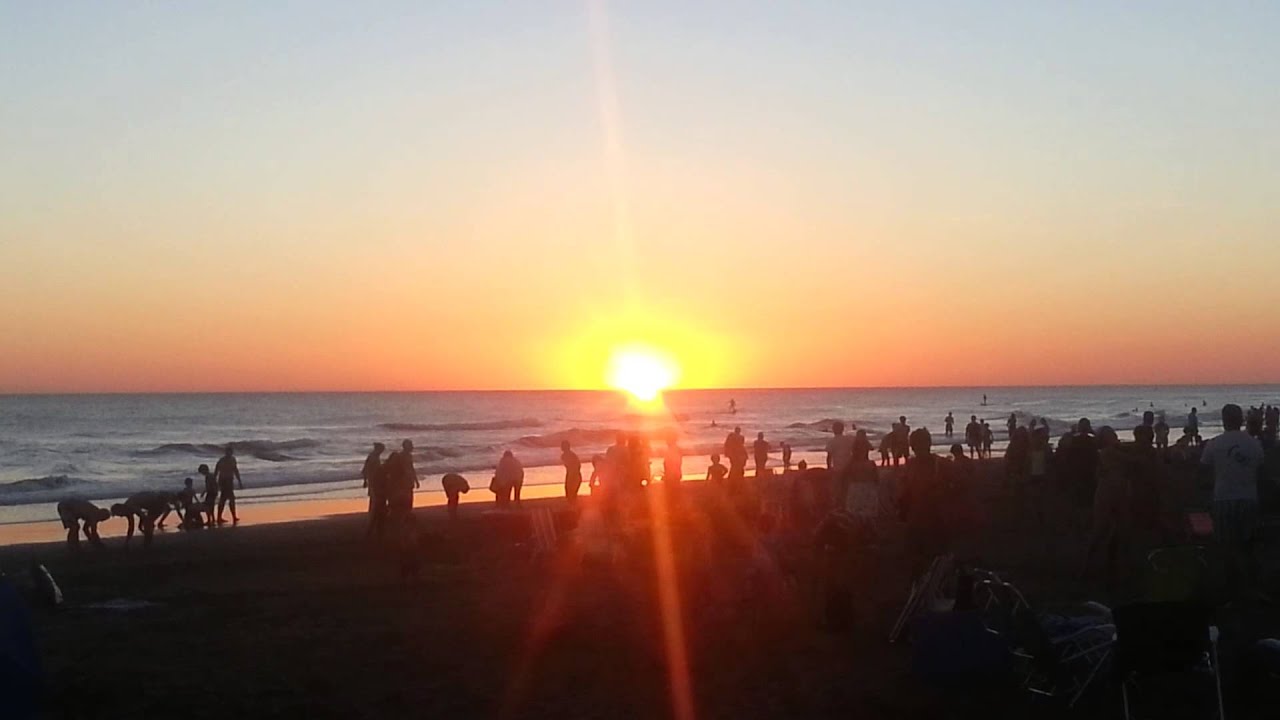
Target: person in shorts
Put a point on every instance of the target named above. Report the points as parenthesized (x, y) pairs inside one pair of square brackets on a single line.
[(228, 475)]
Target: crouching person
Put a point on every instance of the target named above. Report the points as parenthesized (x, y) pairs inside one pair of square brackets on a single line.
[(81, 515)]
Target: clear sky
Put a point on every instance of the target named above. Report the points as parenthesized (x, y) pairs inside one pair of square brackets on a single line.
[(324, 195)]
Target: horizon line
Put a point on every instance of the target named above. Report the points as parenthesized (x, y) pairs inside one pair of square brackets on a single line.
[(73, 393)]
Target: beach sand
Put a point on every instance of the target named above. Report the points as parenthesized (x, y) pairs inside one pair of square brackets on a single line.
[(309, 619)]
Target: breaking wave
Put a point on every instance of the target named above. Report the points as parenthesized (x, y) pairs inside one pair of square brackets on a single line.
[(445, 427)]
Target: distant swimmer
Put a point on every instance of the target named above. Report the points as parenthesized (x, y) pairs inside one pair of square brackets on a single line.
[(81, 515), (733, 406), (984, 399), (228, 473)]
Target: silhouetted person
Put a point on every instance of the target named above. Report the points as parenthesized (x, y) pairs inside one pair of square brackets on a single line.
[(951, 424), (81, 515), (454, 486), (973, 436), (638, 473), (964, 466), (1193, 425), (716, 472), (1112, 503), (1080, 463), (210, 490), (923, 503), (733, 406), (1149, 419), (191, 514), (672, 466), (508, 478), (374, 480), (988, 439), (886, 440), (735, 450), (144, 507), (1233, 458), (901, 444), (228, 473), (1011, 424), (572, 472), (786, 457), (861, 447), (761, 448), (839, 459), (1161, 430)]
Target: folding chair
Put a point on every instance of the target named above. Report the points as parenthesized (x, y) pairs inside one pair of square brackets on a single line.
[(925, 594), (545, 537), (1060, 667), (1165, 639), (1177, 574)]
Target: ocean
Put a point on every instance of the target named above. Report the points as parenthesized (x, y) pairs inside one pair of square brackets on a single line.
[(103, 447)]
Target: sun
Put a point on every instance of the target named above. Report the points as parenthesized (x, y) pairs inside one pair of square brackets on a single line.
[(641, 371)]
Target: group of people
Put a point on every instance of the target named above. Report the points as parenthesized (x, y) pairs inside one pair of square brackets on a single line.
[(148, 510)]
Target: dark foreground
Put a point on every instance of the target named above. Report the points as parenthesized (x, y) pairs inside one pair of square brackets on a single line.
[(310, 619)]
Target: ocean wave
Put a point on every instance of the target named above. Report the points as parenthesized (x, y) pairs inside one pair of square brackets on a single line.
[(43, 484), (268, 450), (575, 436), (444, 427)]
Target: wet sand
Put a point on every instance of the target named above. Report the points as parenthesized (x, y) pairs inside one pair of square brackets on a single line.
[(309, 618)]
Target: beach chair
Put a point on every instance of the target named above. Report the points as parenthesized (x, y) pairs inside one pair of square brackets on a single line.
[(1063, 666), (925, 595), (1170, 641), (1177, 574), (544, 538)]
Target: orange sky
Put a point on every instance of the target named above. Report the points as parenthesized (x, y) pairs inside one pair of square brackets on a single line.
[(468, 200)]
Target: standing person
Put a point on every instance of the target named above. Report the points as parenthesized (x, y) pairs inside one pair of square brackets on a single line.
[(839, 459), (973, 436), (1161, 429), (672, 468), (572, 472), (401, 479), (923, 503), (638, 473), (1193, 426), (508, 475), (372, 479), (951, 424), (1080, 462), (733, 406), (1016, 458), (1149, 419), (1011, 424), (885, 441), (74, 512), (1233, 458), (786, 457), (735, 449), (228, 473), (761, 448), (988, 439), (1112, 504), (901, 445), (210, 490)]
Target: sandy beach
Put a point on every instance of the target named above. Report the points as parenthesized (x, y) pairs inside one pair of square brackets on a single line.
[(308, 618)]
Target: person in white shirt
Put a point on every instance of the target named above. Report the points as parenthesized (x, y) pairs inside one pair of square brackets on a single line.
[(1234, 458), (839, 459)]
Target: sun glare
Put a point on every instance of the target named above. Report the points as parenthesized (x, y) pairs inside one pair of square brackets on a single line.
[(641, 372)]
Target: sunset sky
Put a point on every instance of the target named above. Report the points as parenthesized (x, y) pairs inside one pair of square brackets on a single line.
[(317, 195)]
